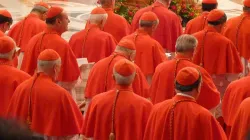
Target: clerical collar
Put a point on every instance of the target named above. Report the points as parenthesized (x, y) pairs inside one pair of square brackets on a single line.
[(108, 9), (141, 31), (43, 75), (181, 56), (6, 62), (51, 31), (33, 15), (124, 88), (185, 95), (210, 29)]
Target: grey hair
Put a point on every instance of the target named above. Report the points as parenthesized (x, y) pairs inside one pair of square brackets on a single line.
[(9, 54), (123, 80), (148, 23), (97, 18), (43, 65), (123, 49), (40, 9), (186, 43)]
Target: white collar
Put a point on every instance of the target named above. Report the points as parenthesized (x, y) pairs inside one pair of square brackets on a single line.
[(181, 94)]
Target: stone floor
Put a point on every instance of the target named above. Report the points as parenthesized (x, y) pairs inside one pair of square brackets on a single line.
[(79, 10)]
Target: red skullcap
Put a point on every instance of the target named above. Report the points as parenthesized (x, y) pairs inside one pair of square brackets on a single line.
[(6, 44), (124, 67), (215, 15), (126, 43), (54, 11), (5, 13), (187, 76), (149, 16), (48, 55)]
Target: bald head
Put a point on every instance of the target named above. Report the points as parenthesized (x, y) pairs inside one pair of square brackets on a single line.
[(185, 43)]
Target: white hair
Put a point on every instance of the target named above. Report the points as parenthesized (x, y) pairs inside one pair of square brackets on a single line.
[(9, 54), (44, 65), (123, 49), (144, 23), (186, 43), (123, 80), (97, 18)]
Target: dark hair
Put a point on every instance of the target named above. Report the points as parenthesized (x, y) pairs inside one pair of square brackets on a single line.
[(4, 19), (220, 21), (11, 130), (246, 9), (208, 7), (147, 23), (53, 19), (106, 2), (188, 88)]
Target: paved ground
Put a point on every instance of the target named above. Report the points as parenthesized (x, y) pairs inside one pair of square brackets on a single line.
[(79, 10)]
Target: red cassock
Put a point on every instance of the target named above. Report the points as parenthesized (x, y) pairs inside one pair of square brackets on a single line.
[(9, 80), (149, 53), (92, 43), (48, 108), (235, 93), (169, 28), (237, 30), (1, 33), (197, 24), (181, 118), (50, 39), (116, 25), (130, 118), (162, 87), (101, 80), (25, 29), (216, 53), (241, 127)]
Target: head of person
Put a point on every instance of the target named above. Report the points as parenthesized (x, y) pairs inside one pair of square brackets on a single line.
[(12, 130), (188, 81), (185, 45), (127, 48), (7, 48), (246, 6), (149, 22), (165, 2), (217, 18), (49, 62), (124, 72), (98, 16), (57, 19), (41, 9), (107, 3), (209, 5), (5, 20)]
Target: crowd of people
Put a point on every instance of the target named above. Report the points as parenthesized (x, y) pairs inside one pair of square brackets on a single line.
[(134, 90)]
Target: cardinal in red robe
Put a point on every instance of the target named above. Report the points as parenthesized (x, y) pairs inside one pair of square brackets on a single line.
[(119, 113), (182, 118), (10, 77), (93, 43), (235, 93), (25, 29), (217, 54), (45, 107), (241, 123), (149, 52), (199, 23), (162, 87), (237, 30), (5, 21), (101, 75), (169, 28), (57, 23), (116, 25)]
